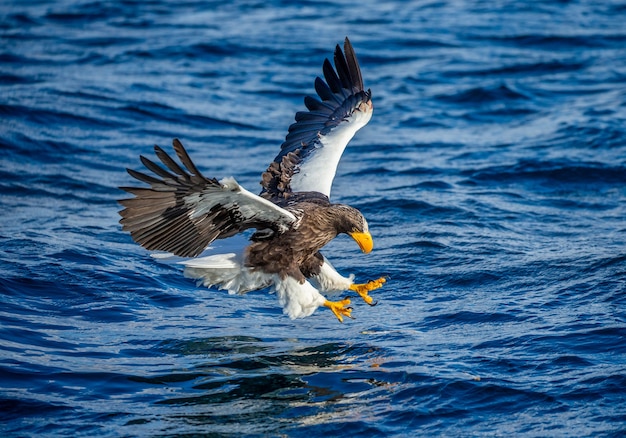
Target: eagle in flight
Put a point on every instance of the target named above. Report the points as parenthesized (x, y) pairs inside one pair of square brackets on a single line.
[(183, 212)]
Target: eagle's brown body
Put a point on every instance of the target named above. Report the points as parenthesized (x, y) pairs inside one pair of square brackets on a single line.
[(295, 252)]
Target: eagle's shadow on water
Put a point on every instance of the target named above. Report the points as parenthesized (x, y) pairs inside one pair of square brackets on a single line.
[(243, 378)]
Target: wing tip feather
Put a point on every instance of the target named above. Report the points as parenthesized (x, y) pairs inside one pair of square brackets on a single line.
[(341, 93)]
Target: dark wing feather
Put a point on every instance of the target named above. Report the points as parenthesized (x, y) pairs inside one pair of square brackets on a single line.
[(313, 146), (169, 163), (353, 68), (325, 93), (183, 212), (332, 79), (184, 158), (342, 71)]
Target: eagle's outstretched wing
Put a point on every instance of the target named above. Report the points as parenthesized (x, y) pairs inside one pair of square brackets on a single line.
[(182, 212), (310, 154)]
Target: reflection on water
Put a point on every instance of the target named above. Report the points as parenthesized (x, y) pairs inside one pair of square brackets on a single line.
[(240, 379)]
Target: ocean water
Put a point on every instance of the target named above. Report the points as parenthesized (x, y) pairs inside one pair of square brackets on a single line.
[(493, 176)]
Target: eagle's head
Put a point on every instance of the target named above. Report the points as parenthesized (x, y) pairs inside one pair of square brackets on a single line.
[(351, 222)]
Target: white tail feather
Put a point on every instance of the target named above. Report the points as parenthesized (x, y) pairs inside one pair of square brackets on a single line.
[(225, 271)]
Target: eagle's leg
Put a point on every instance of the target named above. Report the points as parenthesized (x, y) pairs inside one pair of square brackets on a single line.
[(340, 308), (363, 289)]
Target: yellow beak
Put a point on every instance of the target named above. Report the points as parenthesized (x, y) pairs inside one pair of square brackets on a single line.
[(364, 241)]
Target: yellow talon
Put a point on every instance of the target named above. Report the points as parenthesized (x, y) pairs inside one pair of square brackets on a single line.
[(363, 289), (340, 308)]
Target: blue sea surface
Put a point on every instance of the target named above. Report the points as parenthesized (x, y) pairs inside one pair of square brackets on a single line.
[(493, 177)]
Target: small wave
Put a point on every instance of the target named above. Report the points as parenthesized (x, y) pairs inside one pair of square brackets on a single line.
[(564, 172), (534, 68), (10, 79), (560, 42), (481, 94), (163, 112), (467, 317), (20, 409), (53, 117)]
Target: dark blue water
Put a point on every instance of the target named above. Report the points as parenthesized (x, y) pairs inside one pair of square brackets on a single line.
[(493, 175)]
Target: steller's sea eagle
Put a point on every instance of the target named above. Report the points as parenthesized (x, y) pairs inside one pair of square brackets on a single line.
[(182, 211)]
